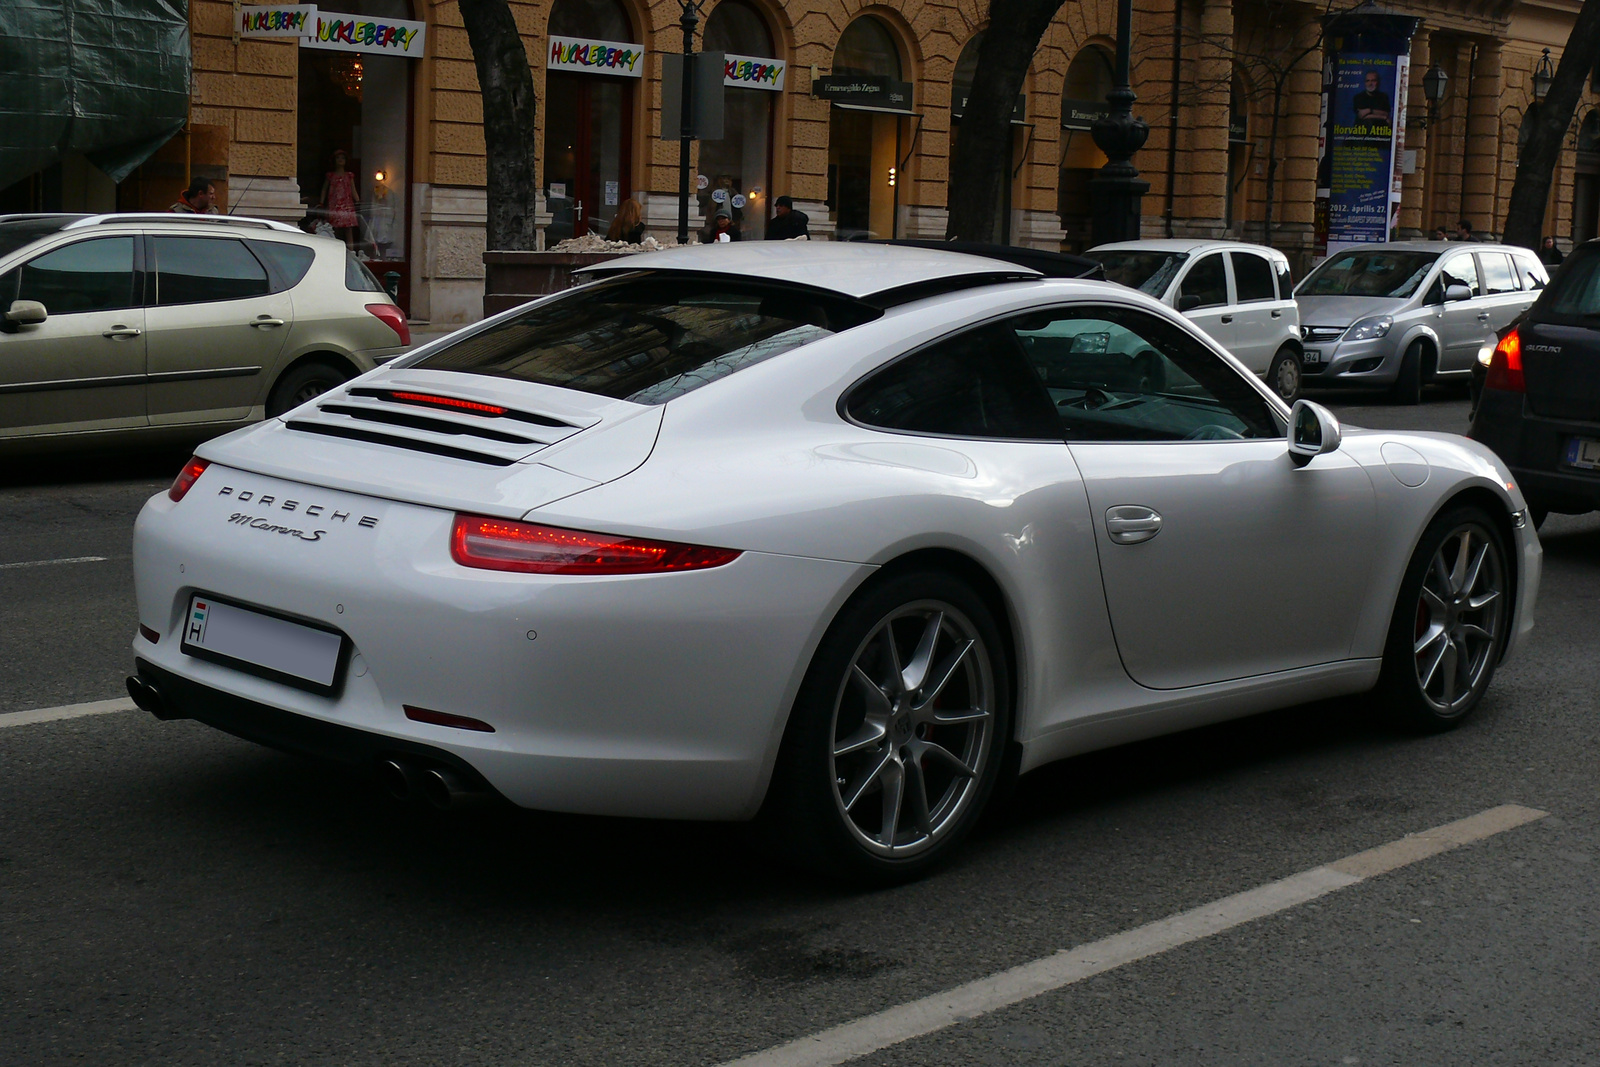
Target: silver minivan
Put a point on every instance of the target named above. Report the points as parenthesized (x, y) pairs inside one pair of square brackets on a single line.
[(1401, 314), (1240, 294)]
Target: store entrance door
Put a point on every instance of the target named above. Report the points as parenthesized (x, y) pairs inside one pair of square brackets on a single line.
[(588, 145)]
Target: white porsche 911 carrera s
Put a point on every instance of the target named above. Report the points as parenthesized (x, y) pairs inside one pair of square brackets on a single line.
[(839, 536)]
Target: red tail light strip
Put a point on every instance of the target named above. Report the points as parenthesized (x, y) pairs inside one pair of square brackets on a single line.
[(448, 403), (529, 548), (444, 718), (187, 477)]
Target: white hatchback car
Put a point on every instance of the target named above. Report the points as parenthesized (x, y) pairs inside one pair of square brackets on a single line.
[(1240, 294)]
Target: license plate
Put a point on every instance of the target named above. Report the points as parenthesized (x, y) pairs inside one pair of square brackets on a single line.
[(257, 642), (1583, 452), (1313, 355)]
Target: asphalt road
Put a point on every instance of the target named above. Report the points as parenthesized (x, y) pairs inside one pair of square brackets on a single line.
[(170, 895)]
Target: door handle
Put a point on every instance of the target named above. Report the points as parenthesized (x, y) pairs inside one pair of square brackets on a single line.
[(121, 331), (1129, 524), (1277, 314), (265, 321), (1226, 319), (1483, 316)]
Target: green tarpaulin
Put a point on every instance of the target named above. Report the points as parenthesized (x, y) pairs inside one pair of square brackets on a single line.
[(108, 78)]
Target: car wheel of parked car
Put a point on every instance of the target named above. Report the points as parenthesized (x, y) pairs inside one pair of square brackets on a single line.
[(1449, 624), (1407, 388), (305, 382), (1284, 375), (898, 736)]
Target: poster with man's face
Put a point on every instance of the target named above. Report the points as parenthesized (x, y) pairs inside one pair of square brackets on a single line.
[(1369, 88)]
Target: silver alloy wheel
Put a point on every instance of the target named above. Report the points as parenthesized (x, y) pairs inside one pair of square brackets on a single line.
[(1459, 615), (1287, 377), (912, 728)]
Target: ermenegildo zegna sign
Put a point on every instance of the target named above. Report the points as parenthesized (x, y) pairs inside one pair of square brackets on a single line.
[(864, 90)]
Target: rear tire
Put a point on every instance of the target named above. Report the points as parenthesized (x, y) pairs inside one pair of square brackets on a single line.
[(898, 736), (1284, 376), (1450, 623), (1407, 388), (305, 382)]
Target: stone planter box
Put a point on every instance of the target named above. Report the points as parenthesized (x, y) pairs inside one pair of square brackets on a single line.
[(512, 278)]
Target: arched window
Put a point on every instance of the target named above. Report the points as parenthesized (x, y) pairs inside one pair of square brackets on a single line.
[(588, 132), (864, 144), (1083, 99), (738, 167)]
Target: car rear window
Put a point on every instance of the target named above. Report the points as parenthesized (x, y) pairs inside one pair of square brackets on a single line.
[(357, 278), (1149, 272), (1387, 272), (1574, 293), (650, 338)]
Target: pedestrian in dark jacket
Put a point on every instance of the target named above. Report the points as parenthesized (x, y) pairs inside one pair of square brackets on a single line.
[(787, 223), (1549, 254)]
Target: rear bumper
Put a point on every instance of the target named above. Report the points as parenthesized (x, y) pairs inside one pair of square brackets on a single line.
[(1534, 449)]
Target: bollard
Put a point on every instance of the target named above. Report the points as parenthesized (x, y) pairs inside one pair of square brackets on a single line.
[(391, 285)]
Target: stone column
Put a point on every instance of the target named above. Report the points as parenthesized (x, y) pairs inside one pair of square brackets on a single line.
[(1483, 139), (1208, 121), (1412, 194), (1297, 147)]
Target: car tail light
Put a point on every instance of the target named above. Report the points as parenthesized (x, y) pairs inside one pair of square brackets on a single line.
[(448, 403), (395, 318), (1505, 366), (187, 477), (504, 545)]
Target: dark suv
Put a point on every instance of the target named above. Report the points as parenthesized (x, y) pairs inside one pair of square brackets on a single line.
[(1540, 405)]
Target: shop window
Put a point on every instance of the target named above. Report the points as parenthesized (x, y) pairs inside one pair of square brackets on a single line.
[(588, 134), (738, 167), (864, 145), (1236, 197), (1586, 180), (1083, 99), (357, 104), (960, 89)]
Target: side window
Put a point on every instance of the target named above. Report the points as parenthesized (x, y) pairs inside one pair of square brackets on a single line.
[(1497, 274), (358, 277), (288, 262), (95, 275), (1285, 282), (1531, 271), (972, 385), (1252, 277), (1206, 285), (1116, 374), (1461, 270), (199, 270)]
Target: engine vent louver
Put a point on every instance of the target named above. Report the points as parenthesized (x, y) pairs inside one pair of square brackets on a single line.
[(458, 405), (423, 422), (376, 437)]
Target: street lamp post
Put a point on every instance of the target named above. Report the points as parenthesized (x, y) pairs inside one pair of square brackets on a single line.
[(1117, 190), (1433, 86), (1543, 75), (689, 20)]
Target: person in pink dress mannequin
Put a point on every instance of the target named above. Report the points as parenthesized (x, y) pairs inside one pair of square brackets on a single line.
[(339, 199)]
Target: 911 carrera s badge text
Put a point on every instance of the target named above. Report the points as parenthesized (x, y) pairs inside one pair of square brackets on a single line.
[(256, 523), (314, 511)]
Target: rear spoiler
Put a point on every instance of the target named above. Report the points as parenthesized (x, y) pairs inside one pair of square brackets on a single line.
[(1049, 264)]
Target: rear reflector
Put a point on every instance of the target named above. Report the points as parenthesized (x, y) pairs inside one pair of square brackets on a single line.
[(442, 718), (504, 545), (447, 403), (187, 477), (395, 318), (1505, 366), (148, 634)]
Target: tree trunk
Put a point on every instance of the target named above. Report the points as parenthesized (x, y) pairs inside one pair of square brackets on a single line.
[(1272, 157), (980, 165), (508, 112), (1536, 163)]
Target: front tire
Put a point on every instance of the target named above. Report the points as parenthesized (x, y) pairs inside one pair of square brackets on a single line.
[(1407, 388), (1449, 625), (898, 736), (1284, 375)]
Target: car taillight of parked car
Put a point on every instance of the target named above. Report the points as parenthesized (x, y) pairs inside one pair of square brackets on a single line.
[(186, 478), (395, 318), (1505, 366), (506, 545)]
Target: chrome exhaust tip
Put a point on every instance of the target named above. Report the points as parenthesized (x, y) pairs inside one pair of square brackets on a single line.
[(447, 790)]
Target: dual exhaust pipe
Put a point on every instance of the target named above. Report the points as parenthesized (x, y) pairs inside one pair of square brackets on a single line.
[(441, 787), (148, 698)]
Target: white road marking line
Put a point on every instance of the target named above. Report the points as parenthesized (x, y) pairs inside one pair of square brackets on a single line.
[(930, 1014), (69, 711), (53, 562)]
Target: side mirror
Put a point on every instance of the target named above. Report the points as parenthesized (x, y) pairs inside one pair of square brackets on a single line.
[(25, 313), (1452, 293), (1313, 431), (1188, 303)]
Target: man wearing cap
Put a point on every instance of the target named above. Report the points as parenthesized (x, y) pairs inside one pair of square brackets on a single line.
[(787, 223), (722, 228)]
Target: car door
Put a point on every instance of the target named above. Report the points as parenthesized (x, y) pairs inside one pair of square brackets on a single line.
[(1461, 324), (1220, 558), (1203, 297), (214, 328), (1258, 314), (83, 367), (1502, 292)]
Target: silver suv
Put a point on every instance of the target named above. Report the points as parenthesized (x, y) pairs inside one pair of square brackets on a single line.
[(171, 326), (1402, 314)]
